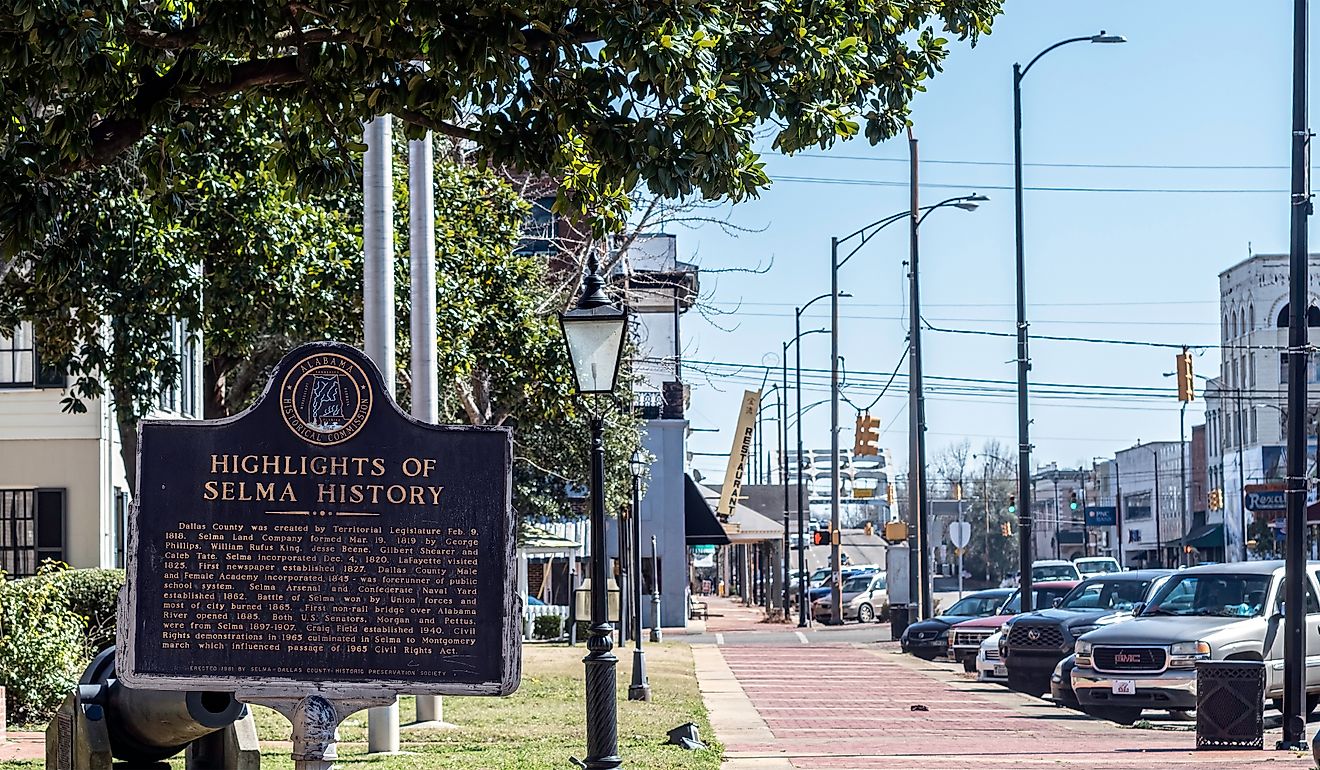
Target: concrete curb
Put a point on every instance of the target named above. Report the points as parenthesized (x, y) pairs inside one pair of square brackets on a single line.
[(732, 715)]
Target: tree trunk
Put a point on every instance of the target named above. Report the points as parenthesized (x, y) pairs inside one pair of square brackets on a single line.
[(128, 445)]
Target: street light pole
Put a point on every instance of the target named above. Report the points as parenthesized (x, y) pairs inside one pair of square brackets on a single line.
[(798, 334), (594, 333), (1023, 361), (916, 395), (920, 566), (640, 686), (1182, 467), (1294, 622)]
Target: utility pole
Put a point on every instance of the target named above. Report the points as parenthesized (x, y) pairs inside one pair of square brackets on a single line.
[(917, 398), (1118, 510), (1294, 639), (985, 496)]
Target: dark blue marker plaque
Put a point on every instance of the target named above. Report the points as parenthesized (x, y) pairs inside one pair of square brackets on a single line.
[(323, 538)]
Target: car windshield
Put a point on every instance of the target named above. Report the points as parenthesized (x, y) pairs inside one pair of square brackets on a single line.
[(1220, 595), (857, 583), (1044, 599), (976, 606), (1106, 595), (1053, 572), (1101, 567)]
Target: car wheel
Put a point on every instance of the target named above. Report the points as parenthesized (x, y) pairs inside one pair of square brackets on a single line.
[(969, 664), (865, 614), (1123, 715)]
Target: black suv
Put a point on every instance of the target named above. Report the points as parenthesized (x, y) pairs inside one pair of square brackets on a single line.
[(1033, 644)]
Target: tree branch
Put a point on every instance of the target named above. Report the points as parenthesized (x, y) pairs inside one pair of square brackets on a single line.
[(438, 126), (114, 135)]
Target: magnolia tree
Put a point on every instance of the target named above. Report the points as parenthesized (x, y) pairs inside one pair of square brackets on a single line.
[(605, 96)]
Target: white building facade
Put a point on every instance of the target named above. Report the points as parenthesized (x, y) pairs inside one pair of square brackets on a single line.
[(64, 494), (1247, 403)]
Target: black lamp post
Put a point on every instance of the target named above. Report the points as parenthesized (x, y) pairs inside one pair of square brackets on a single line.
[(594, 332), (640, 687), (1023, 362)]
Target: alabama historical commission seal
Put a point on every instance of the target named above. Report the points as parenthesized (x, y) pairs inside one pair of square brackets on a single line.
[(325, 399)]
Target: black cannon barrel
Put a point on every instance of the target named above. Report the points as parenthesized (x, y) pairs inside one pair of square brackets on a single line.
[(151, 725)]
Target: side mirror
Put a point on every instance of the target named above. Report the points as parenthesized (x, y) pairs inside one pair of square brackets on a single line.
[(1137, 608), (1058, 602)]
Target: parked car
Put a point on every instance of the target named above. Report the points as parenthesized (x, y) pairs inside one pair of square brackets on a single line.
[(1034, 643), (824, 589), (989, 666), (1221, 612), (1053, 569), (1061, 691), (1091, 566), (796, 542), (856, 585), (966, 637), (819, 576), (866, 606), (929, 639)]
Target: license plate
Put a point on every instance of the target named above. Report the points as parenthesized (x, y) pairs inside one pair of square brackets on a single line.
[(1123, 687), (1001, 671)]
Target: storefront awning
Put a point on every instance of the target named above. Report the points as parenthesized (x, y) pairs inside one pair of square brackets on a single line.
[(1206, 536), (703, 527)]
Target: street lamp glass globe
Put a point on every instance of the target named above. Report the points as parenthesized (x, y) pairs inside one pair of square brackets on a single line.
[(595, 345), (638, 461)]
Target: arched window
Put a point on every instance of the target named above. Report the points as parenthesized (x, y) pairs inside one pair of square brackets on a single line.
[(1251, 317), (1312, 317)]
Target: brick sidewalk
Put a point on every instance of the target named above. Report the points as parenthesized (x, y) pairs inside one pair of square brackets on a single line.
[(730, 614), (841, 706)]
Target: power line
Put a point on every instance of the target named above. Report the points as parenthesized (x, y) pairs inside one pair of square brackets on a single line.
[(1128, 166), (1035, 188)]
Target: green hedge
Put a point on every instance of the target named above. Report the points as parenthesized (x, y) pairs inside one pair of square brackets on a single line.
[(92, 594), (50, 627), (42, 649), (547, 627)]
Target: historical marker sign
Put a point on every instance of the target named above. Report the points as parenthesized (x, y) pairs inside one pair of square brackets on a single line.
[(322, 539)]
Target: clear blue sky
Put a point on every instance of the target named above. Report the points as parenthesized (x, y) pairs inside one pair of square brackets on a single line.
[(1199, 84)]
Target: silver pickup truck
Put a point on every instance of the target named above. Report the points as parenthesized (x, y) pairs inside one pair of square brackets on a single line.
[(1218, 612)]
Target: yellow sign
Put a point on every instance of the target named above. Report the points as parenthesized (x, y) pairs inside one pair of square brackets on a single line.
[(742, 446), (861, 492)]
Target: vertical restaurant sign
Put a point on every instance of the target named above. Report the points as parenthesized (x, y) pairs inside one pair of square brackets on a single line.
[(742, 446)]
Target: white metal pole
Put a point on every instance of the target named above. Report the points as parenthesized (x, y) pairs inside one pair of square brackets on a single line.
[(422, 333), (378, 327)]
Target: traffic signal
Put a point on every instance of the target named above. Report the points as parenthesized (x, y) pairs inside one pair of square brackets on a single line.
[(1012, 503), (818, 538), (1216, 501), (867, 436), (1005, 529), (1186, 381), (1072, 503)]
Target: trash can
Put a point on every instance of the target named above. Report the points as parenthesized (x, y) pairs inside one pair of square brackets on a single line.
[(1230, 704), (898, 620)]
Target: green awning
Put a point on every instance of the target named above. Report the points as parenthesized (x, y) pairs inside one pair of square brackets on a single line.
[(1206, 536)]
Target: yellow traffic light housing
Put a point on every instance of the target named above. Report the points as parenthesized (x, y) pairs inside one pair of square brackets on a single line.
[(896, 532), (1186, 379), (867, 436)]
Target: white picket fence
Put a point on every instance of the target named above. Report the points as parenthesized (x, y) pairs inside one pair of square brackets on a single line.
[(531, 613)]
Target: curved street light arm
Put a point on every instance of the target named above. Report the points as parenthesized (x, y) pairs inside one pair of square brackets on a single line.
[(799, 311), (1086, 39), (964, 199), (803, 334)]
